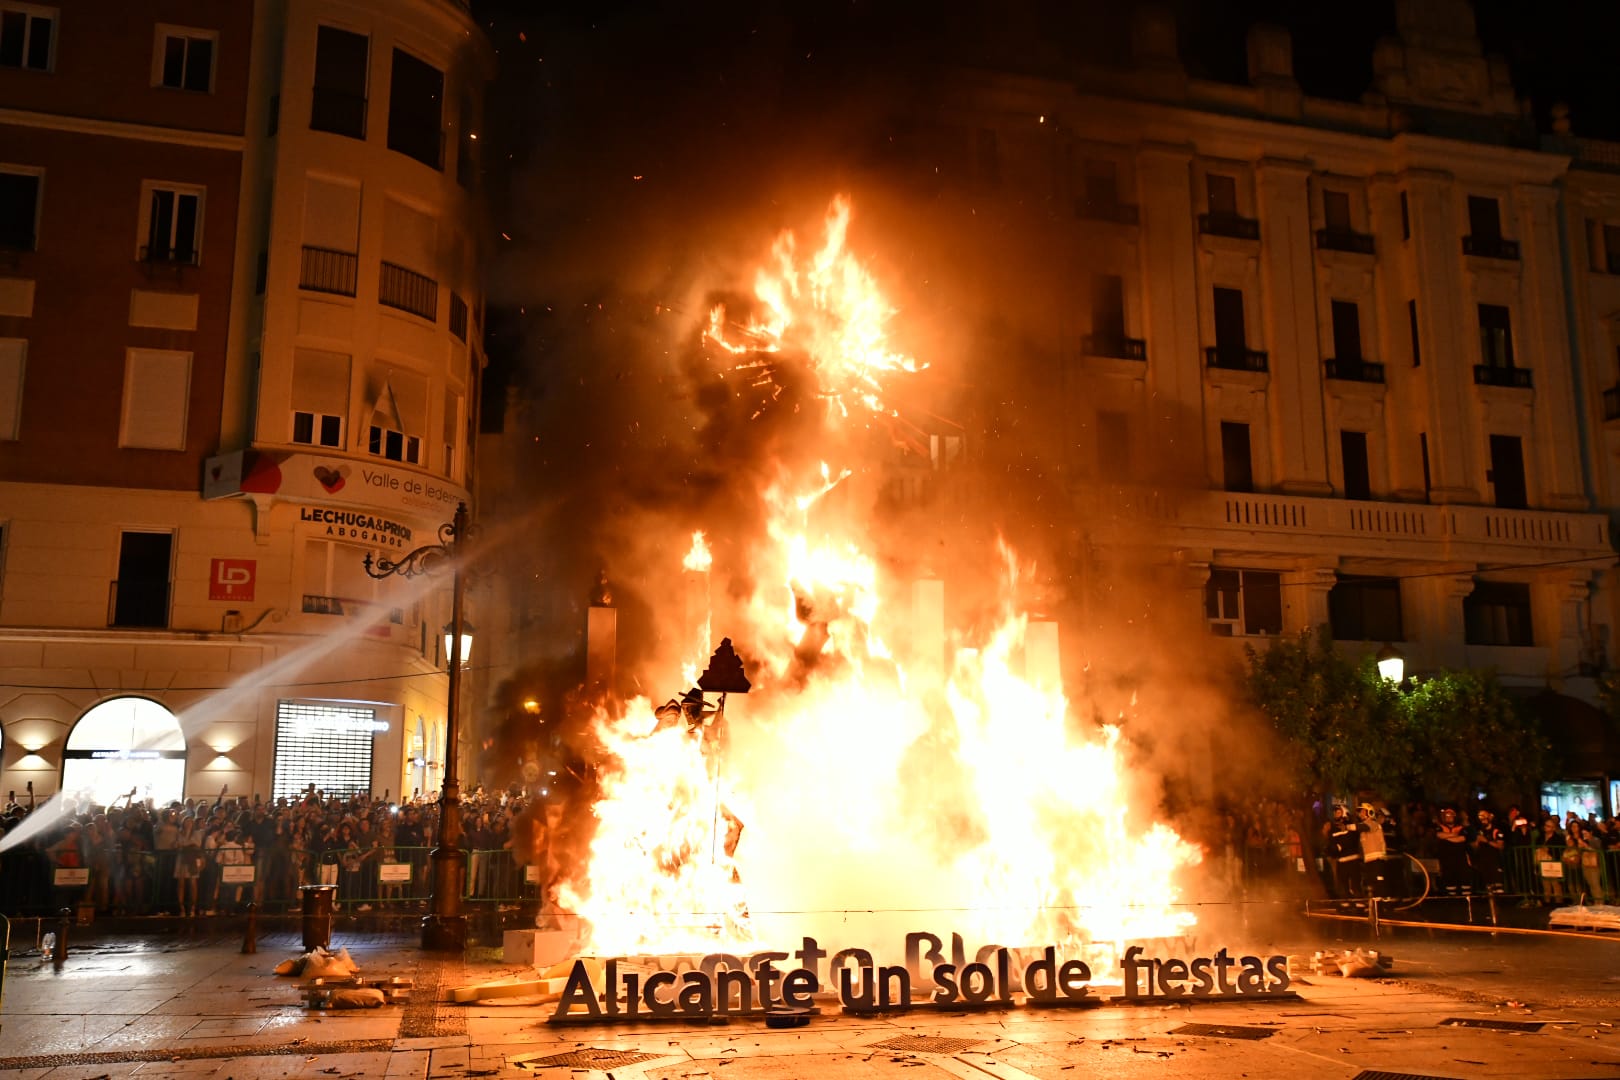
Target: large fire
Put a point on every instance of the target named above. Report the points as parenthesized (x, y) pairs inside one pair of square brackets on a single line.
[(870, 784)]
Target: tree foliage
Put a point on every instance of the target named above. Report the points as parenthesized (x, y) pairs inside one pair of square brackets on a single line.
[(1343, 728)]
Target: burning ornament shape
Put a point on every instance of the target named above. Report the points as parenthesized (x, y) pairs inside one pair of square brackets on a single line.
[(892, 786)]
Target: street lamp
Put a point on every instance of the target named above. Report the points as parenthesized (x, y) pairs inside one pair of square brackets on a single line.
[(1391, 664), (444, 928)]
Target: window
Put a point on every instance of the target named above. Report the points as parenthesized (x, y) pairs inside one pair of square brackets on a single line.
[(184, 59), (1495, 336), (1611, 248), (1346, 331), (157, 391), (416, 110), (317, 429), (1230, 331), (27, 35), (1507, 472), (1406, 219), (320, 397), (1237, 468), (1498, 613), (458, 316), (1336, 211), (19, 209), (1411, 319), (141, 592), (172, 229), (394, 445), (1365, 609), (1222, 194), (1244, 602), (339, 101), (1101, 180), (1484, 218), (452, 432), (1423, 453), (13, 355), (1353, 452), (1108, 307)]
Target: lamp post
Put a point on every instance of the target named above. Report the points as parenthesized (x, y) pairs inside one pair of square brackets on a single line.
[(444, 928)]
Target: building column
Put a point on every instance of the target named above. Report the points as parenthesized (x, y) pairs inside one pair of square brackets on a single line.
[(1558, 428), (1441, 633), (1175, 370), (1449, 327), (1294, 394)]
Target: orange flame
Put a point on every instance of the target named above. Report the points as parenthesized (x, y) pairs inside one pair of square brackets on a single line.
[(698, 557), (866, 778)]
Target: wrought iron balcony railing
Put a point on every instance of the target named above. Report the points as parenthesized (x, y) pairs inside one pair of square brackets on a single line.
[(1493, 375), (1354, 370), (1118, 346), (1345, 240), (1235, 358), (1234, 225), (1491, 247)]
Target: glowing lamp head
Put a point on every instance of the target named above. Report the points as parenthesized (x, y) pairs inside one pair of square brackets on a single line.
[(1391, 664), (466, 639)]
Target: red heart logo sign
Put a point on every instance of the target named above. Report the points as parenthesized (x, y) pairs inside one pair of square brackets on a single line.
[(331, 479)]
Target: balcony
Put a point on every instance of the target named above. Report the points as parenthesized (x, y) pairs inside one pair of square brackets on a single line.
[(1233, 225), (1492, 375), (1611, 403), (327, 271), (1345, 240), (408, 291), (1354, 370), (1491, 247), (1308, 525), (1098, 210), (1235, 358), (1114, 345)]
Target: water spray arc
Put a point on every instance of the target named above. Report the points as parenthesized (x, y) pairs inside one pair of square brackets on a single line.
[(444, 928)]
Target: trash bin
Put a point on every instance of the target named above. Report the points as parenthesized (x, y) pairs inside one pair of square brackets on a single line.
[(319, 901)]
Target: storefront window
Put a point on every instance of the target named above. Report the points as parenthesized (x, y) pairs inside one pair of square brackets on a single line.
[(125, 749), (324, 744), (1582, 796)]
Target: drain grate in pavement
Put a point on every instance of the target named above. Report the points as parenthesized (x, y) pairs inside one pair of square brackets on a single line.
[(1379, 1074), (926, 1044), (590, 1058), (1494, 1025), (1224, 1031)]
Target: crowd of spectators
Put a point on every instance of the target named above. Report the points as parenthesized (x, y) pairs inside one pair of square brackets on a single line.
[(173, 859), (1361, 849)]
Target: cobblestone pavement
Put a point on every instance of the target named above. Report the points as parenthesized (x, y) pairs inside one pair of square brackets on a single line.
[(198, 1007)]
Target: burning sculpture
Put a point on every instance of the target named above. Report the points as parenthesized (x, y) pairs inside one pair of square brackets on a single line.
[(871, 777)]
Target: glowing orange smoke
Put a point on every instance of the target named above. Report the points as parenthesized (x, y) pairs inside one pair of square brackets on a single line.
[(952, 793)]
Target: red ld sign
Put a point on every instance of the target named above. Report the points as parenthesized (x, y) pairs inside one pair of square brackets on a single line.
[(231, 579)]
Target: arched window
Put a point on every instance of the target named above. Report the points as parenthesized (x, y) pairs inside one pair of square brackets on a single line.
[(123, 746)]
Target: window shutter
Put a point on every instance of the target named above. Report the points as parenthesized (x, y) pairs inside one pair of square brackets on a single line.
[(157, 389), (12, 353)]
